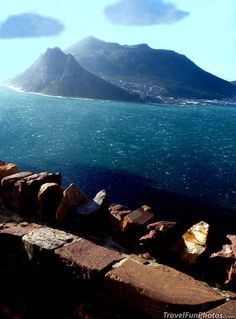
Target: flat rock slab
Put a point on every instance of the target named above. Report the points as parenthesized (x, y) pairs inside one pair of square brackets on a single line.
[(47, 239), (155, 289), (227, 311), (18, 230), (86, 258)]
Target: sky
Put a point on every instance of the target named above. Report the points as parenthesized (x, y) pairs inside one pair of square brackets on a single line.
[(203, 30)]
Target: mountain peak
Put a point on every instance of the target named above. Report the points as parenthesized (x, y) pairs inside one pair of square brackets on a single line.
[(146, 70), (57, 73)]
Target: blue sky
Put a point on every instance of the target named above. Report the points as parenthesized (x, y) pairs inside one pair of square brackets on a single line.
[(203, 30)]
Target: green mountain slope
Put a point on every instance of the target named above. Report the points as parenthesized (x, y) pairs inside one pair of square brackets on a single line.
[(169, 73), (56, 73)]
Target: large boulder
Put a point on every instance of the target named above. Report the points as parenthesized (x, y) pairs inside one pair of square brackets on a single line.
[(137, 220), (7, 169), (25, 192), (117, 213), (156, 290), (49, 198), (193, 243), (72, 197), (7, 185)]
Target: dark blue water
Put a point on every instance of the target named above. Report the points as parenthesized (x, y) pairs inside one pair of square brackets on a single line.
[(101, 144)]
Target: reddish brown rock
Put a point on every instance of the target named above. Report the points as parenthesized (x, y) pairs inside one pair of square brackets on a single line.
[(86, 258), (117, 214), (8, 169), (49, 198), (154, 290), (138, 219), (7, 184), (228, 250), (222, 264), (163, 230), (227, 310), (18, 230), (72, 197), (25, 192)]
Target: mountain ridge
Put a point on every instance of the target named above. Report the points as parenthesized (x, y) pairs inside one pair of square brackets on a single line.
[(167, 72), (57, 73)]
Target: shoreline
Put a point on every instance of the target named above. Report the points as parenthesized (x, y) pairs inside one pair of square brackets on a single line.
[(179, 103)]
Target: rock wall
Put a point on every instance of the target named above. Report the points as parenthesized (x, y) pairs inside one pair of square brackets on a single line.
[(64, 255)]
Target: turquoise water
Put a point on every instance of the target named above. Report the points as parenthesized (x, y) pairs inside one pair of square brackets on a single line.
[(101, 144)]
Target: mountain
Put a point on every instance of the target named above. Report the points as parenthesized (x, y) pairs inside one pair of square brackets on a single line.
[(233, 82), (57, 73), (151, 71)]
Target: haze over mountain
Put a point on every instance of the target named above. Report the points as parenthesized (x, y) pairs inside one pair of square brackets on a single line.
[(153, 72), (56, 73)]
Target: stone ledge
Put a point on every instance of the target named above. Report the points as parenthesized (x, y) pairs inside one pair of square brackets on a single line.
[(86, 258), (45, 239), (153, 290)]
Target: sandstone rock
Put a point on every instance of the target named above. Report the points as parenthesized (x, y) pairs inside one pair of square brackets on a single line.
[(222, 264), (17, 230), (228, 250), (45, 239), (7, 184), (117, 214), (72, 197), (86, 259), (227, 310), (2, 163), (137, 219), (25, 192), (8, 169), (156, 289), (49, 197), (166, 230), (193, 243)]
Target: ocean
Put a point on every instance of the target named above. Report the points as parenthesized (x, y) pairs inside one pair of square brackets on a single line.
[(125, 148)]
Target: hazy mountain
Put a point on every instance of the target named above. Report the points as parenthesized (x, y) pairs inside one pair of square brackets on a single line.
[(165, 72), (233, 82), (56, 73)]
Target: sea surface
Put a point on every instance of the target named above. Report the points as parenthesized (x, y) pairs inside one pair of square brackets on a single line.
[(123, 147)]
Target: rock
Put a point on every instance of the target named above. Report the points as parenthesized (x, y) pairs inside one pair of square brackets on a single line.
[(166, 230), (44, 240), (2, 163), (49, 198), (193, 243), (86, 259), (87, 209), (93, 209), (25, 192), (228, 250), (154, 290), (117, 214), (101, 198), (17, 230), (7, 185), (227, 310), (222, 264), (72, 197), (138, 219), (8, 169)]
